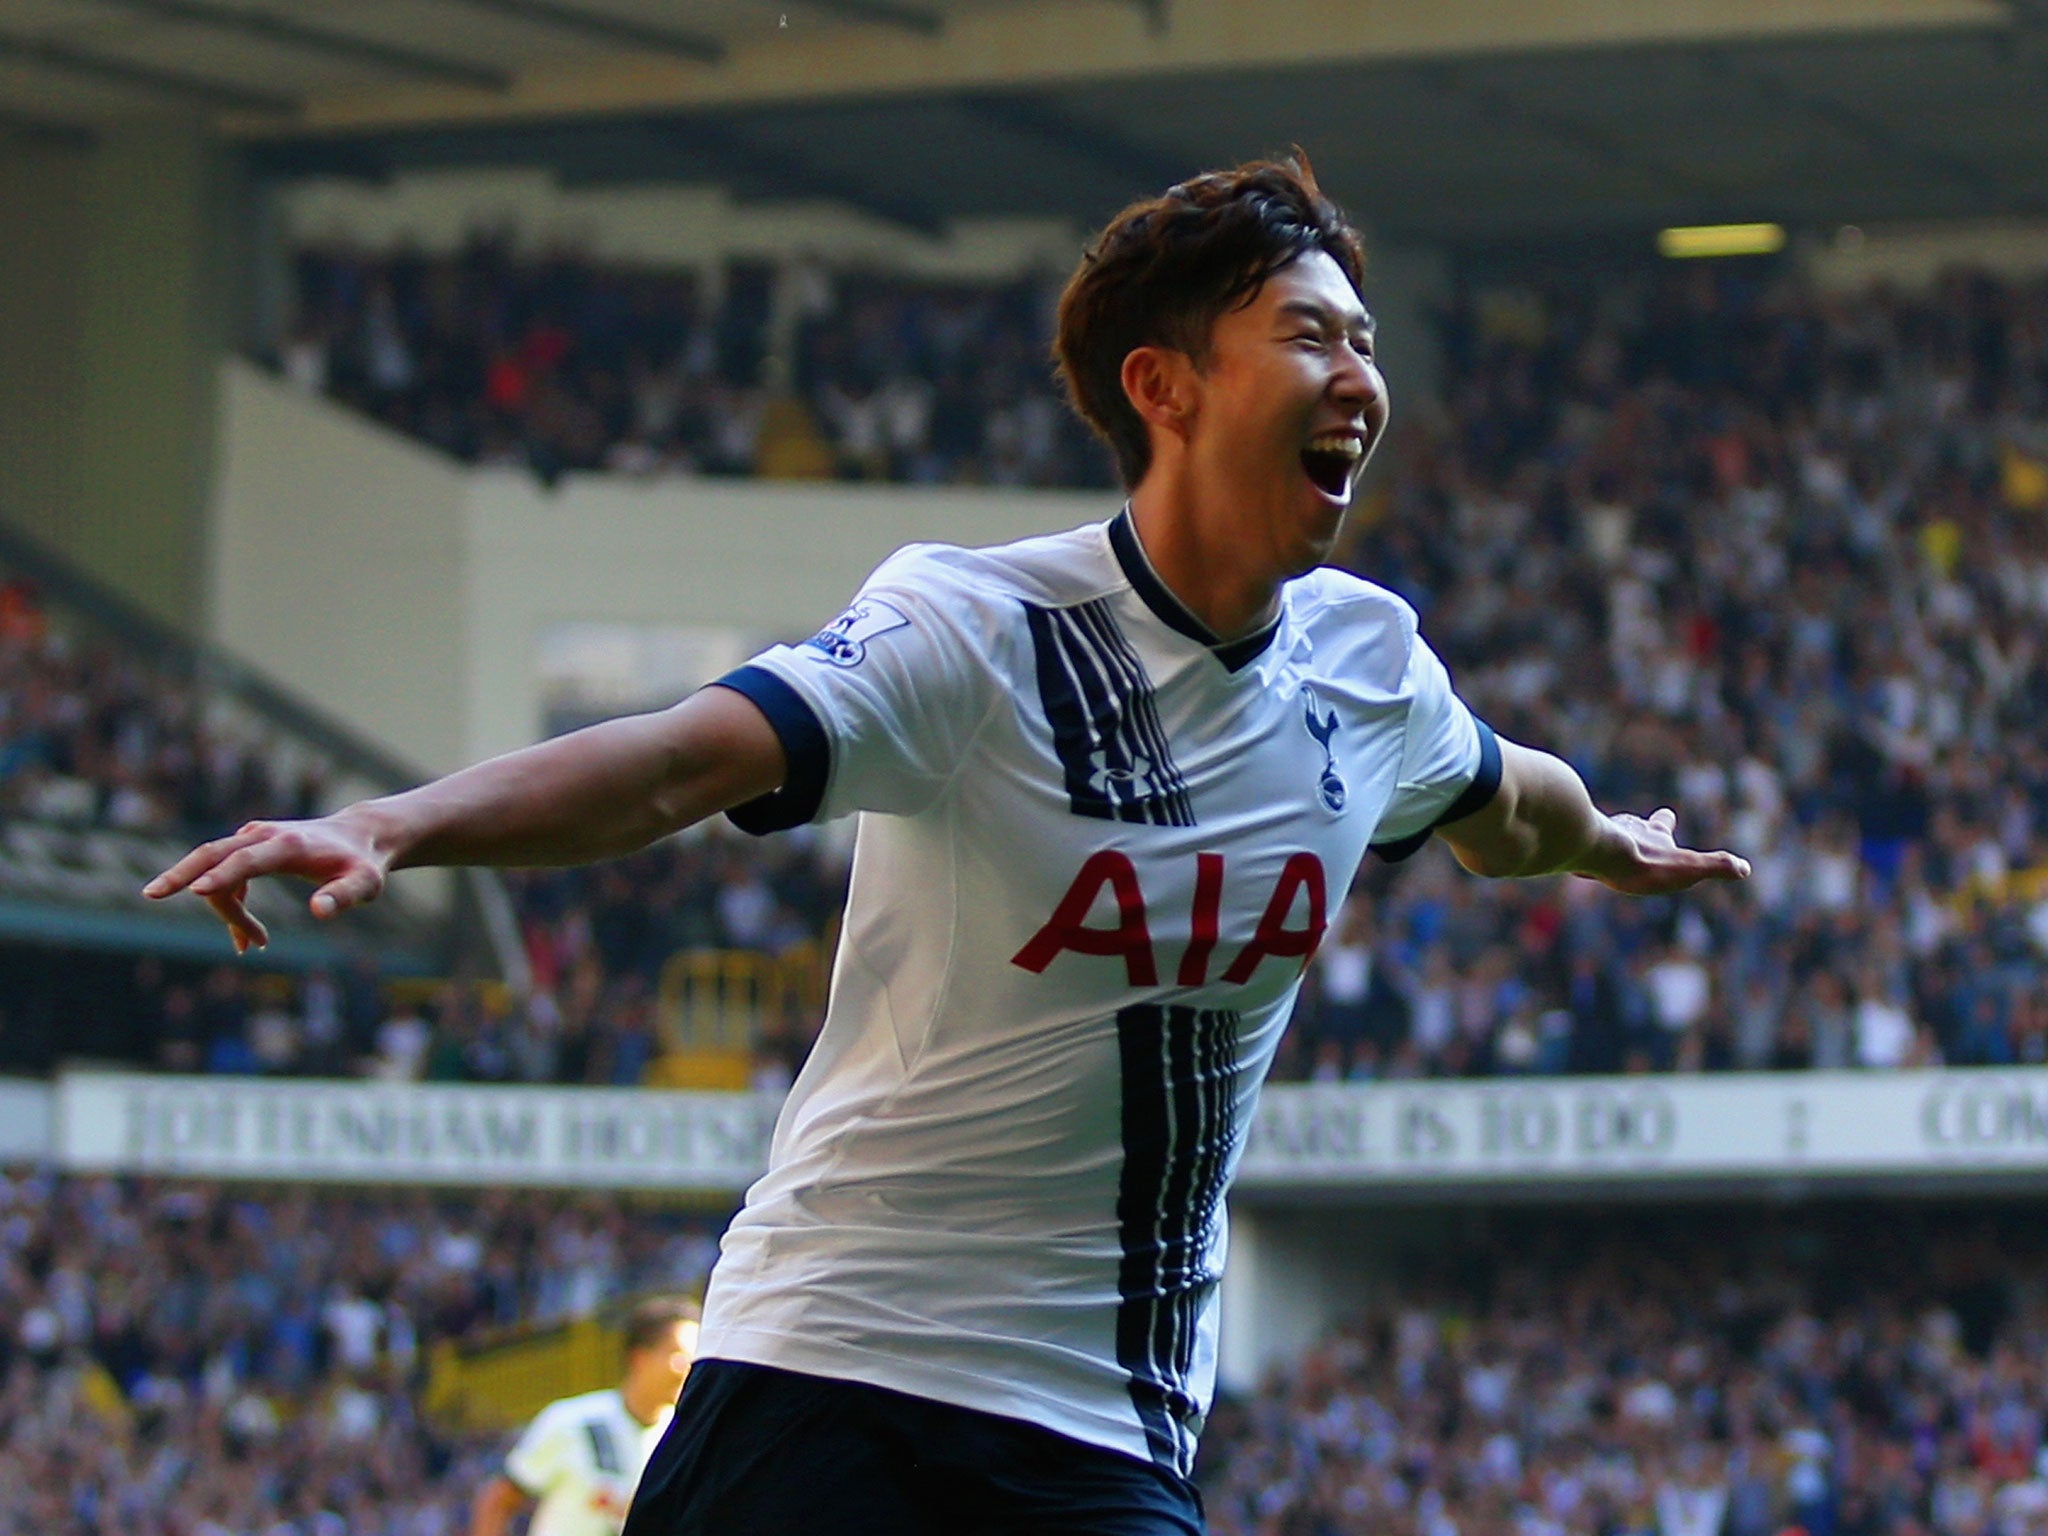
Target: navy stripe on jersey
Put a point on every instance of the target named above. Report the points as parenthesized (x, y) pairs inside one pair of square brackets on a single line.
[(603, 1453), (1105, 723), (1179, 1128)]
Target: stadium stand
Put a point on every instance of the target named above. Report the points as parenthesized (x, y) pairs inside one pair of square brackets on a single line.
[(189, 1359), (1853, 1371), (1764, 552), (120, 743), (1768, 554), (1771, 556), (95, 739), (120, 747), (565, 363), (196, 1359)]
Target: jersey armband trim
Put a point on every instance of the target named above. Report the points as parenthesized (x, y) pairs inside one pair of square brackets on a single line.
[(1484, 786), (804, 744)]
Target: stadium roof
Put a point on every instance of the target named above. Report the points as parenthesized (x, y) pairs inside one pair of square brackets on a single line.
[(1454, 119)]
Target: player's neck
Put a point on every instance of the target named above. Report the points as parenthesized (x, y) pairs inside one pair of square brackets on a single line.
[(644, 1403), (1192, 548)]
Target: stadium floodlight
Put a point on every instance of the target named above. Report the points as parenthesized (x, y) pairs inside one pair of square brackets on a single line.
[(1721, 240)]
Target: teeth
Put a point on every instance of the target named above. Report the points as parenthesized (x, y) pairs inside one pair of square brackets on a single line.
[(1345, 443)]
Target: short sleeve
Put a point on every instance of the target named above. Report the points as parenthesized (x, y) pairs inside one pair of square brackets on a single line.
[(538, 1459), (876, 709), (1450, 760)]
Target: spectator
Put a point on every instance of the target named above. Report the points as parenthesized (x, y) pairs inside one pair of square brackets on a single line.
[(1734, 1376), (194, 1359)]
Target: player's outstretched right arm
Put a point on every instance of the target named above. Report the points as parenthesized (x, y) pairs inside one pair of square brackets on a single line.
[(593, 794)]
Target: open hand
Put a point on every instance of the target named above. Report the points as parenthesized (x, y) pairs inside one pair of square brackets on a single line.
[(335, 852), (1641, 857)]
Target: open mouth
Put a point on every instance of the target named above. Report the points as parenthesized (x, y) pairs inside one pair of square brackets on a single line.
[(1330, 460)]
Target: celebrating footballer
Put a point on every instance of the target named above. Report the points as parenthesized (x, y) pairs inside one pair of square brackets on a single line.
[(1111, 783)]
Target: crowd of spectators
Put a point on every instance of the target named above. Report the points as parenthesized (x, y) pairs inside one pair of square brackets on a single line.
[(1774, 556), (564, 363), (95, 733), (1867, 1372), (597, 942), (193, 1360), (1778, 559), (186, 1359)]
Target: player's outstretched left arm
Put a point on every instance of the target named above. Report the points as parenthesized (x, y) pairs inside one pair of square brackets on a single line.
[(592, 794), (1542, 821)]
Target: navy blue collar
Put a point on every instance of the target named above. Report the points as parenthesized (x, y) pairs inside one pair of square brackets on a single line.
[(1170, 610)]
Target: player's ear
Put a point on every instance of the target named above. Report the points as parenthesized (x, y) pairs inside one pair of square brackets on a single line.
[(1160, 384)]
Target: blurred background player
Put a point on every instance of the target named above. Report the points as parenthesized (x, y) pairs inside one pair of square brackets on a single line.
[(579, 1460)]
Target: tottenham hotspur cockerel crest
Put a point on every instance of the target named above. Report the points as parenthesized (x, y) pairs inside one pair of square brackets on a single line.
[(1323, 727)]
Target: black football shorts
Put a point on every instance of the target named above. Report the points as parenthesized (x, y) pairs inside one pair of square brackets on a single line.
[(756, 1451)]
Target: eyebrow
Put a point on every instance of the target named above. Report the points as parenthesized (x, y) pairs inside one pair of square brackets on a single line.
[(1324, 316)]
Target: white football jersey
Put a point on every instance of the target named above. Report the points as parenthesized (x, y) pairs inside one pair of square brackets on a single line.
[(1097, 849), (581, 1458)]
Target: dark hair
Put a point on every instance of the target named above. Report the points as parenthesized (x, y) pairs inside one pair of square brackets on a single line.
[(652, 1322), (1165, 268)]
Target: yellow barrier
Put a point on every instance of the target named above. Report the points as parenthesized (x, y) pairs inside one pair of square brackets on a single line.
[(709, 999), (719, 1001), (503, 1382), (700, 1071), (712, 1006)]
